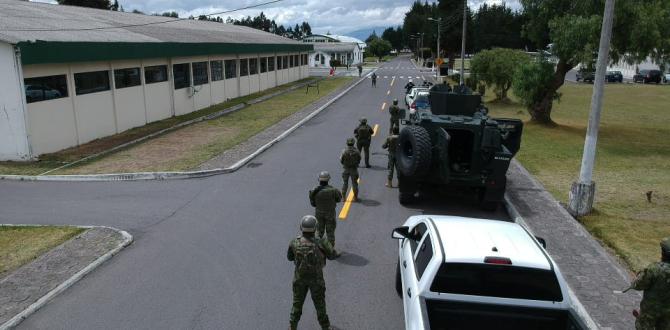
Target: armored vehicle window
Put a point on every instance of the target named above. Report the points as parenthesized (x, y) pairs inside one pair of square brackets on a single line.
[(497, 281), (418, 232), (423, 256)]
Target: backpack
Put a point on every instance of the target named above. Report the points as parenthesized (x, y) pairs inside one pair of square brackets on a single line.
[(363, 133), (308, 257), (350, 158)]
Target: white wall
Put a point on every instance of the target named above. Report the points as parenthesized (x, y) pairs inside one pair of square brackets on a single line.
[(129, 101), (13, 133)]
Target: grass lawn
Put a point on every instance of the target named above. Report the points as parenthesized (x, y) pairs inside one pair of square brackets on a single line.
[(20, 245), (633, 157), (190, 146), (51, 161)]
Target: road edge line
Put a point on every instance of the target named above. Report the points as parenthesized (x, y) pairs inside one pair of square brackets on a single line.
[(34, 307), (576, 303)]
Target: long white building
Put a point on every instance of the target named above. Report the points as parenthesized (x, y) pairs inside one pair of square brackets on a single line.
[(70, 75)]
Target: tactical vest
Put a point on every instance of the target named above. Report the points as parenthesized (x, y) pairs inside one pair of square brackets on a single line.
[(324, 199), (392, 142), (350, 158), (308, 257), (363, 133), (395, 112)]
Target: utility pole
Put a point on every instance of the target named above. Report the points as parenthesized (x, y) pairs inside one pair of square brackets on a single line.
[(583, 191), (439, 25), (465, 17)]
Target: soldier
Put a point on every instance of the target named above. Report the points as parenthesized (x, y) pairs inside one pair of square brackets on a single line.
[(409, 86), (308, 253), (360, 70), (655, 281), (390, 144), (350, 159), (363, 134), (324, 199), (394, 111), (374, 79)]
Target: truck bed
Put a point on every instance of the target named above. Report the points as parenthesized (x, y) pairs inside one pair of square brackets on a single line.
[(444, 314)]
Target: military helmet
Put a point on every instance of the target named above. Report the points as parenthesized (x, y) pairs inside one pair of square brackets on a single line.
[(308, 224), (351, 141), (665, 246), (324, 176), (364, 120), (395, 101)]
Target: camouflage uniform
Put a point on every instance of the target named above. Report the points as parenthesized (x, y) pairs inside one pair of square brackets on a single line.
[(363, 135), (324, 198), (374, 80), (308, 256), (394, 111), (655, 304), (350, 159), (391, 144)]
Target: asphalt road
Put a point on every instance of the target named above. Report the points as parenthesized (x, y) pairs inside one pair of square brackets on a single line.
[(211, 253)]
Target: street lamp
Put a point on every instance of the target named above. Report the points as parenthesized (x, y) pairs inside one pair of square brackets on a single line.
[(439, 26)]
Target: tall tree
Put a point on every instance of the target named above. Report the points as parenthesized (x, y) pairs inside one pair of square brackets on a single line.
[(573, 28), (100, 4), (379, 47), (394, 36), (496, 68), (497, 26)]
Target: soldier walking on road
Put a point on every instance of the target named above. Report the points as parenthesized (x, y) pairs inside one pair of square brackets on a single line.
[(308, 253), (394, 111), (655, 281), (391, 144), (324, 198), (350, 159), (374, 79), (360, 70), (363, 134)]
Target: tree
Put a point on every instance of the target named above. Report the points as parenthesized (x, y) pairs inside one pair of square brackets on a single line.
[(573, 28), (114, 6), (371, 37), (531, 80), (100, 4), (496, 68), (379, 47), (394, 36), (497, 26)]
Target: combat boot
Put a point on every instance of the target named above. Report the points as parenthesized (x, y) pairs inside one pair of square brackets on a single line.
[(389, 183)]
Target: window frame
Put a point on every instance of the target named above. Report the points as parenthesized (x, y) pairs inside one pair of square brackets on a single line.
[(135, 83), (230, 74), (200, 82), (188, 83), (244, 64), (106, 87), (271, 67), (219, 73), (151, 67), (263, 64), (253, 66), (43, 89)]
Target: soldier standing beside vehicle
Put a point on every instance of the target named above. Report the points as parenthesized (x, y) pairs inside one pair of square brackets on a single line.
[(655, 281), (391, 144), (324, 198), (308, 253), (363, 134), (394, 111), (350, 159)]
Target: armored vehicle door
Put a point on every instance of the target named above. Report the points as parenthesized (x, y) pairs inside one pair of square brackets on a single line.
[(442, 145), (510, 130)]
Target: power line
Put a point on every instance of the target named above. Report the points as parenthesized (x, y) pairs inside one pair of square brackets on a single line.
[(143, 24)]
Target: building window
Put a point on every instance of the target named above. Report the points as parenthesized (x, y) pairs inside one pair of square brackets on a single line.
[(182, 75), (285, 62), (155, 74), (127, 78), (91, 82), (304, 59), (244, 67), (45, 88), (290, 62), (231, 69), (295, 60), (280, 65), (271, 63), (200, 73), (253, 66), (217, 70), (264, 64)]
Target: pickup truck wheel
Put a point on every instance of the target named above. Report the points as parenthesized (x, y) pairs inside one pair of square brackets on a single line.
[(414, 151), (398, 280)]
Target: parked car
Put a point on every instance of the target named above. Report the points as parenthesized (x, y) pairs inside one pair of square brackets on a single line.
[(666, 77), (648, 76), (585, 75), (614, 76), (409, 98), (467, 273)]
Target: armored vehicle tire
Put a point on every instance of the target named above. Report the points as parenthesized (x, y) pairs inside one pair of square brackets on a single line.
[(398, 280), (414, 151)]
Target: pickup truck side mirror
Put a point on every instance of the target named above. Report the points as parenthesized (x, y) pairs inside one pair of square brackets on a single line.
[(400, 233), (542, 241)]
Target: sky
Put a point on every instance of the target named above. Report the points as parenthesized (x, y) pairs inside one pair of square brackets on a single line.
[(336, 17)]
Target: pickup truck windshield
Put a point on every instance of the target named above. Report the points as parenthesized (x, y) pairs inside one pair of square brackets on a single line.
[(497, 281)]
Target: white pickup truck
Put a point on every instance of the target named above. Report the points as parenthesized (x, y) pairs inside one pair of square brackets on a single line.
[(466, 273)]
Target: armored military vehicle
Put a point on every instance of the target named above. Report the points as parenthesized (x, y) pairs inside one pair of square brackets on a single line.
[(456, 144)]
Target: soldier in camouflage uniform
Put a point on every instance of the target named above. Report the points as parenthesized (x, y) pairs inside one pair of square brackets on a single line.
[(308, 253), (394, 111), (350, 158), (655, 281), (391, 144), (324, 199), (363, 134)]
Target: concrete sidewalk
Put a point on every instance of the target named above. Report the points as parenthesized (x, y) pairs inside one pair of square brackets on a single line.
[(595, 276)]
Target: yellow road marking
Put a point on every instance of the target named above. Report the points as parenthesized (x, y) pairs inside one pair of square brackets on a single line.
[(347, 204), (383, 106), (388, 92), (375, 130)]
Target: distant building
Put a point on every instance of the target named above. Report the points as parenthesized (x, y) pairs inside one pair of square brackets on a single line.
[(70, 75), (329, 47)]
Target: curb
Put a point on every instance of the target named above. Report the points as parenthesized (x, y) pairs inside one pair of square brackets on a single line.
[(577, 305), (146, 176), (34, 307)]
